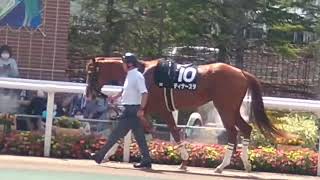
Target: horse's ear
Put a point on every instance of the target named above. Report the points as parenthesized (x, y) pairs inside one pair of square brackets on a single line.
[(90, 65)]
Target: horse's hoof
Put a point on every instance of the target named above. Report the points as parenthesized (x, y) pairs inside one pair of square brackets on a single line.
[(248, 169), (183, 167), (218, 170), (105, 160)]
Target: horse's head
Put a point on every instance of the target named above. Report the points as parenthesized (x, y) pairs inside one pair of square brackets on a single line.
[(109, 71), (103, 71)]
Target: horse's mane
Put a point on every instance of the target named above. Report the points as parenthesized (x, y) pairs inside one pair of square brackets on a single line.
[(118, 59), (108, 59), (103, 60)]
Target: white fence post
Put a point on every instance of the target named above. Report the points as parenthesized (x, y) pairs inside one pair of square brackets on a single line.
[(47, 138), (126, 147)]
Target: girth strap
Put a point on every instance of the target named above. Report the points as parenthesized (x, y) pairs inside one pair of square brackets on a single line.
[(169, 100)]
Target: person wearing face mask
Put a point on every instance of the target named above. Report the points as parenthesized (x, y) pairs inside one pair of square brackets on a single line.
[(8, 68), (8, 65)]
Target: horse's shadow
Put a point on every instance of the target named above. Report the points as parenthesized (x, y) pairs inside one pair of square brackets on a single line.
[(161, 171)]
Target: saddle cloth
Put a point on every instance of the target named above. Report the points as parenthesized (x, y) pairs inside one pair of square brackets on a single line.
[(171, 75)]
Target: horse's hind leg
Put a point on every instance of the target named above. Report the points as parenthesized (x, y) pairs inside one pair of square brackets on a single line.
[(228, 119), (245, 129), (232, 138)]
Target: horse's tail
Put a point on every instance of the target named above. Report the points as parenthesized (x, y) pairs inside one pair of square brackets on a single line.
[(258, 111)]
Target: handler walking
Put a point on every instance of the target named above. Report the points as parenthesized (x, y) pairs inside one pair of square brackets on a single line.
[(134, 98)]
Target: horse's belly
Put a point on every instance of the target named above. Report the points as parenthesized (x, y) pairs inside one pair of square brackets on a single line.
[(190, 99)]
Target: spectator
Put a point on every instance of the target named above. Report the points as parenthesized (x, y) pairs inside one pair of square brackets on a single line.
[(79, 114), (8, 68), (95, 108), (38, 104), (60, 111), (8, 65), (45, 114), (73, 104), (35, 107), (25, 97)]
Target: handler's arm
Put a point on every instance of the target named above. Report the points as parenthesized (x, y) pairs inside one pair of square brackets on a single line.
[(144, 100), (113, 98), (118, 95)]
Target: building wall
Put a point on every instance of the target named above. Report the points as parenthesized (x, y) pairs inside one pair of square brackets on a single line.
[(42, 53)]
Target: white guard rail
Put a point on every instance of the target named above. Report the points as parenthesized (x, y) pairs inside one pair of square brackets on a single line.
[(52, 87)]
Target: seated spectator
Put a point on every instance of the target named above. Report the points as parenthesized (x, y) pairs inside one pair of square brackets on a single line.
[(60, 111), (79, 114), (73, 104), (95, 108), (25, 97), (8, 65), (38, 104), (45, 114)]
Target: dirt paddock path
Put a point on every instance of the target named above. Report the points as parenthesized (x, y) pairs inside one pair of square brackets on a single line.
[(115, 170)]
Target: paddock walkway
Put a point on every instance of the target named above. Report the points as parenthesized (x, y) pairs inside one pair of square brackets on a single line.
[(34, 168)]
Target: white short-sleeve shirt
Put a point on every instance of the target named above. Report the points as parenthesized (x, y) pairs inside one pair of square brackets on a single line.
[(134, 86)]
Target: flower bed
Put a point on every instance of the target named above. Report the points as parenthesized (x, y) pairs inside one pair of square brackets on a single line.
[(303, 161), (303, 125), (7, 123)]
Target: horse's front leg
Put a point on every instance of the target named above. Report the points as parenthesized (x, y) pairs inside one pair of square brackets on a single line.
[(175, 131), (147, 126)]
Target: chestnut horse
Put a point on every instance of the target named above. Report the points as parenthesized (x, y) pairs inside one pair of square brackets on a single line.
[(223, 84)]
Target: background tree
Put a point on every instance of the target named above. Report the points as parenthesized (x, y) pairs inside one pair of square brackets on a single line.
[(148, 26)]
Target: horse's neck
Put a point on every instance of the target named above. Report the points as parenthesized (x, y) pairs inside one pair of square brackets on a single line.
[(141, 66), (148, 64)]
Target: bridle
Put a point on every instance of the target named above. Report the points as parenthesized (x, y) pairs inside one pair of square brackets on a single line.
[(92, 79)]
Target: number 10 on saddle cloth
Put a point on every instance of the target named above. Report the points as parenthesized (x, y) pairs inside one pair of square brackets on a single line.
[(176, 76)]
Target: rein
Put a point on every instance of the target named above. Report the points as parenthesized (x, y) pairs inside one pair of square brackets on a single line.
[(93, 80)]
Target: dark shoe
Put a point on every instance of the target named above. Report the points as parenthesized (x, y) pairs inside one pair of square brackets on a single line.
[(143, 165), (95, 158)]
